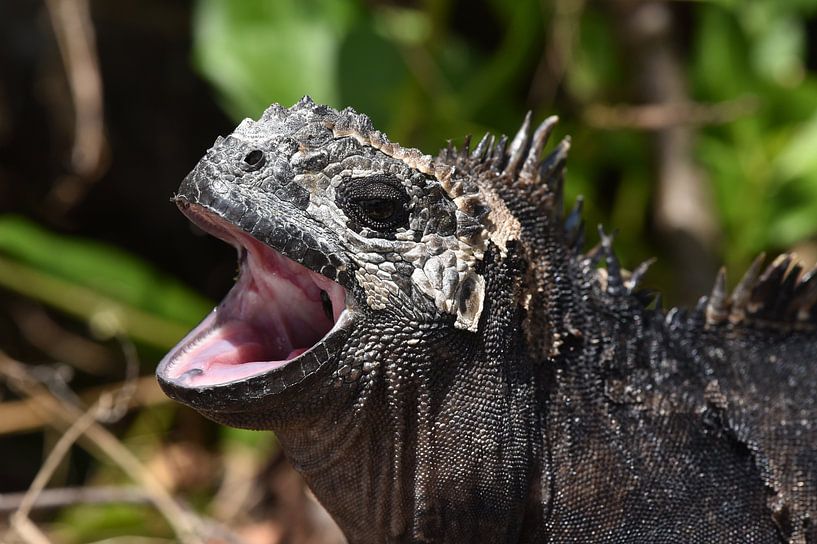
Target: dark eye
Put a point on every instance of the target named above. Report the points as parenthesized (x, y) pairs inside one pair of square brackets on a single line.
[(378, 209), (254, 159), (376, 202)]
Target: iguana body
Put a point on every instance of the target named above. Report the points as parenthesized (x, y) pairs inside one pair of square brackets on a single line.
[(445, 364)]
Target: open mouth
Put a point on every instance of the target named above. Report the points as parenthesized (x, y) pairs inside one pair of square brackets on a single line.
[(277, 311)]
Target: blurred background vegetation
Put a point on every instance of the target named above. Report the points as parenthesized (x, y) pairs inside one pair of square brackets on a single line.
[(694, 127)]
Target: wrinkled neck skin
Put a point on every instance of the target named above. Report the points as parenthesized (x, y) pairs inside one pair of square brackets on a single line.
[(415, 453), (447, 446)]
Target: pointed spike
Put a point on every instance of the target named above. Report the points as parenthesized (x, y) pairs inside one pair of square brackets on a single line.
[(594, 255), (799, 293), (792, 277), (743, 290), (466, 146), (305, 102), (558, 205), (489, 152), (553, 164), (552, 174), (658, 303), (765, 294), (537, 145), (787, 291), (483, 146), (774, 272), (578, 242), (275, 111), (700, 306), (645, 297), (574, 218), (574, 227), (807, 280), (498, 153), (614, 279), (518, 146), (638, 274), (717, 308), (809, 276), (806, 300)]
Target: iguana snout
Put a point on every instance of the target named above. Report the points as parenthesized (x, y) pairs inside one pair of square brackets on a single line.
[(291, 308), (277, 311)]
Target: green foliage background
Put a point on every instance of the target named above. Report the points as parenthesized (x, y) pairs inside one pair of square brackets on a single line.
[(423, 80)]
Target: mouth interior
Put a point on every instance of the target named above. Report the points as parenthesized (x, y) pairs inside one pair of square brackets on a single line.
[(277, 310)]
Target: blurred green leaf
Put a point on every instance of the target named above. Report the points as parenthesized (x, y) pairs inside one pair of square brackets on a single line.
[(520, 42), (361, 54), (107, 270), (797, 223), (112, 290), (258, 52), (595, 67), (87, 523), (262, 443), (719, 65), (799, 157), (410, 27), (778, 51)]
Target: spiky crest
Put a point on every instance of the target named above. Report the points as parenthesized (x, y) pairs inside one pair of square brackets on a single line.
[(782, 295), (518, 167)]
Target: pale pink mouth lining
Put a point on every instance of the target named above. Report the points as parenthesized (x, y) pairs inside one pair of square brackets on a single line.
[(272, 314)]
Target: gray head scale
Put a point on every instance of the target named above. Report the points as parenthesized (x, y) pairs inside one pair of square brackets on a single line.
[(366, 231)]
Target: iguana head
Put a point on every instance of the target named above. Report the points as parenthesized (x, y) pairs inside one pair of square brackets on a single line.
[(343, 240), (386, 312)]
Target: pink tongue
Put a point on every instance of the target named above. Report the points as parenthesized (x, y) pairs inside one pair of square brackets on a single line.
[(236, 342), (223, 352)]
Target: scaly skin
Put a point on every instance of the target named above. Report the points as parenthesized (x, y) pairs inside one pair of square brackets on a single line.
[(487, 381)]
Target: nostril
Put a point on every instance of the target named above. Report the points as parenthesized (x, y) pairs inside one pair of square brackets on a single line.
[(254, 158)]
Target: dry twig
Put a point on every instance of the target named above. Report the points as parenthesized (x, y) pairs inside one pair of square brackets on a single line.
[(44, 333), (58, 497), (20, 519), (21, 415), (74, 30), (61, 414), (667, 115), (558, 53)]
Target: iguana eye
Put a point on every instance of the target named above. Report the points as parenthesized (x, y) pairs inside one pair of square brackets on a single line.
[(380, 210), (377, 202), (254, 159)]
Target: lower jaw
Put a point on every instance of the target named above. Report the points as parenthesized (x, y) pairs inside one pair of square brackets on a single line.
[(215, 373), (258, 395), (260, 383)]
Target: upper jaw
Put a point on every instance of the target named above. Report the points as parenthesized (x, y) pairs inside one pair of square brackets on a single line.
[(273, 330)]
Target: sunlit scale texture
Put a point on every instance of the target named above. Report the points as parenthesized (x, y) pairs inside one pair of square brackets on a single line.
[(483, 378)]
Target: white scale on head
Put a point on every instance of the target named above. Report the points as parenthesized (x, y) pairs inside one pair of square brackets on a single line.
[(443, 265)]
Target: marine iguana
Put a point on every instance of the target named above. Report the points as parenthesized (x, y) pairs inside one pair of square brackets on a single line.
[(444, 362)]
